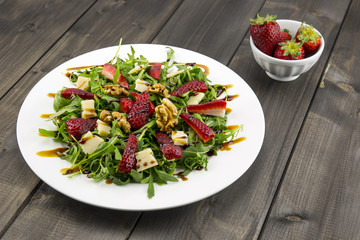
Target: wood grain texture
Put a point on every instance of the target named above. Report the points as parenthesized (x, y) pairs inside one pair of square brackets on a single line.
[(325, 166), (28, 30), (239, 211), (214, 28), (55, 216), (16, 179)]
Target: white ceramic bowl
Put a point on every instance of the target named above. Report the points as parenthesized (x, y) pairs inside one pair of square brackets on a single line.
[(286, 70)]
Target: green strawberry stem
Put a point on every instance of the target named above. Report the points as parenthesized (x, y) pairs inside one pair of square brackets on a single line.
[(262, 20), (291, 47)]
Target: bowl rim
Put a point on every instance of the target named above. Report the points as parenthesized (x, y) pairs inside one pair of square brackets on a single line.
[(308, 59)]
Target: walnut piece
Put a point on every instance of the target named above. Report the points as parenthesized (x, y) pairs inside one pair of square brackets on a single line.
[(122, 122), (159, 89), (105, 116), (166, 115), (116, 90)]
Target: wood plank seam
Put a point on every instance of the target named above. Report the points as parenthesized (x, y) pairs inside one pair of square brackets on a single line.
[(20, 209), (45, 52)]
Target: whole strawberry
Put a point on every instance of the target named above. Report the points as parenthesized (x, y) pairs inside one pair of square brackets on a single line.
[(265, 33), (284, 35), (309, 38), (289, 50)]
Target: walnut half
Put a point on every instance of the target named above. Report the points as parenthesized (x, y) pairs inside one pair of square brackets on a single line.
[(159, 89), (122, 122), (166, 115), (116, 90)]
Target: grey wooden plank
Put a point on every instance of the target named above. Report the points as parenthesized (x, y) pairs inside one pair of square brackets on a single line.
[(319, 196), (96, 29), (214, 28), (239, 211), (51, 215), (28, 30)]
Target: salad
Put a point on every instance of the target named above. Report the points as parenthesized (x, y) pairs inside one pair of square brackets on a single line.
[(135, 121)]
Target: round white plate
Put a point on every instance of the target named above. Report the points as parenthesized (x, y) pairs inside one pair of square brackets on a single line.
[(223, 169)]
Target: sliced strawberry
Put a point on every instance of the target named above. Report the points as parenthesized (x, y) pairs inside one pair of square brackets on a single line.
[(213, 108), (128, 160), (126, 105), (138, 115), (79, 126), (204, 132), (155, 70), (167, 147), (109, 71), (195, 85), (69, 92), (162, 138), (135, 95), (144, 97), (171, 151), (123, 82)]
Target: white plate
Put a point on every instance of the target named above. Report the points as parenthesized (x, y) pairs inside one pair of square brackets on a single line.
[(223, 169)]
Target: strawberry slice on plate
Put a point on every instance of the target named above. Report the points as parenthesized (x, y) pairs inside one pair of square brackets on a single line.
[(213, 108), (204, 132), (109, 71), (194, 85), (79, 126), (128, 160), (126, 105), (167, 147), (67, 93), (144, 97), (138, 115), (155, 70)]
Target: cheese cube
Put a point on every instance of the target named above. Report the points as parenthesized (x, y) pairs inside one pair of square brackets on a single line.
[(145, 159), (179, 138), (88, 109), (89, 143), (83, 83), (195, 98), (141, 85), (103, 128)]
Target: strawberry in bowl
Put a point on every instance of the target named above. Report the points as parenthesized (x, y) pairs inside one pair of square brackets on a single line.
[(279, 67)]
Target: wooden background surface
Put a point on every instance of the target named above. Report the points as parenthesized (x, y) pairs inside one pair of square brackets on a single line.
[(304, 183)]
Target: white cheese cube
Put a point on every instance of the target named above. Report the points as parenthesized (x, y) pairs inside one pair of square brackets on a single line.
[(89, 143), (195, 98), (141, 85), (136, 69), (179, 138), (88, 109), (103, 128), (83, 83), (145, 159)]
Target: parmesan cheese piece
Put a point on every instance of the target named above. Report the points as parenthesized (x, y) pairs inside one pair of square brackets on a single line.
[(103, 128), (83, 83), (145, 159), (89, 143), (196, 98), (88, 109), (141, 85), (179, 138)]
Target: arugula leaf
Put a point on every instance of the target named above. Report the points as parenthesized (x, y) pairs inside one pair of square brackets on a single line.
[(59, 101)]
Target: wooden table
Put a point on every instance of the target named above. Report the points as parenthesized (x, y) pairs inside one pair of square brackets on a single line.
[(304, 184)]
